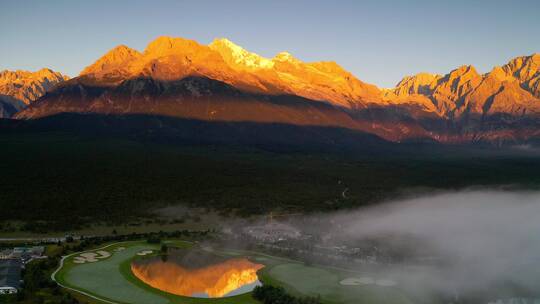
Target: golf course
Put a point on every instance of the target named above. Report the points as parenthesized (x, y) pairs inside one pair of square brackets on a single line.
[(105, 275)]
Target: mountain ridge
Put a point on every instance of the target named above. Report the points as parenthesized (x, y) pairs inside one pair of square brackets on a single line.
[(462, 105), (512, 89), (327, 81), (20, 88), (28, 86)]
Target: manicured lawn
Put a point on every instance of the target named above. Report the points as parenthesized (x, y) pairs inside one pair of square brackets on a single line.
[(103, 278), (302, 280), (111, 279), (323, 282)]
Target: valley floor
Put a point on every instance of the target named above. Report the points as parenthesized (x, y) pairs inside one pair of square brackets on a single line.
[(61, 182)]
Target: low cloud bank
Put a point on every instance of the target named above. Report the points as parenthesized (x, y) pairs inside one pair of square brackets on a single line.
[(486, 239), (471, 246)]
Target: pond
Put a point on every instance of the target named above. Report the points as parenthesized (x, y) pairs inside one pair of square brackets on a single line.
[(197, 274)]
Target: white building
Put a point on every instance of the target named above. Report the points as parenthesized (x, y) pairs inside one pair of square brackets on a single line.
[(8, 290)]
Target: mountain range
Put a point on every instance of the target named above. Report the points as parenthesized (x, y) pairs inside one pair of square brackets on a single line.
[(20, 88), (222, 82)]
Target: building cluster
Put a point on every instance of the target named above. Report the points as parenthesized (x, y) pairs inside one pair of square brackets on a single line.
[(272, 232), (12, 262), (291, 241)]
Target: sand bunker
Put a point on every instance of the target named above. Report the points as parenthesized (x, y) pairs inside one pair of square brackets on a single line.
[(357, 281), (91, 257), (385, 283), (144, 252), (79, 260), (119, 249), (103, 254)]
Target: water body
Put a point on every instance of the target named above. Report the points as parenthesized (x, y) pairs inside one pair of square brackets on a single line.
[(198, 275)]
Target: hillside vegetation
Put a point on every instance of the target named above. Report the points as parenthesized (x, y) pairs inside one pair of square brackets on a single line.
[(66, 180)]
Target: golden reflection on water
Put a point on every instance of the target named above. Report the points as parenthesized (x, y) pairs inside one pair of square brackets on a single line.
[(214, 280)]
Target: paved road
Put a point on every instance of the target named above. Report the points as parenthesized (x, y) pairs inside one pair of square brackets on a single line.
[(41, 239), (53, 275)]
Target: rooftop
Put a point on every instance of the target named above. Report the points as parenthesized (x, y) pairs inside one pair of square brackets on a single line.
[(10, 273)]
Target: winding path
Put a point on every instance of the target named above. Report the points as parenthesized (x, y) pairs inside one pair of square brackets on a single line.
[(53, 275)]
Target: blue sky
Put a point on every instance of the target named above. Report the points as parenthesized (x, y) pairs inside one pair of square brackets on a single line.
[(378, 41)]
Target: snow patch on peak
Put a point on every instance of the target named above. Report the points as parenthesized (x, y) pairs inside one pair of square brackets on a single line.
[(238, 56), (225, 42), (285, 57)]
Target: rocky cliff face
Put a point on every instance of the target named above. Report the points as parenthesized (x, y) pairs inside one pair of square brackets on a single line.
[(512, 89), (28, 86), (223, 82), (20, 88), (525, 70)]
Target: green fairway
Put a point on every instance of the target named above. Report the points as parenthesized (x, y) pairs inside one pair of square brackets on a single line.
[(324, 282), (103, 278), (315, 281), (110, 279)]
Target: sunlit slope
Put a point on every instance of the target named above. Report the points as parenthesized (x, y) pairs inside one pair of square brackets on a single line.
[(223, 82)]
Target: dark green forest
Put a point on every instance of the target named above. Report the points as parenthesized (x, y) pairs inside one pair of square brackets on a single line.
[(65, 180)]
